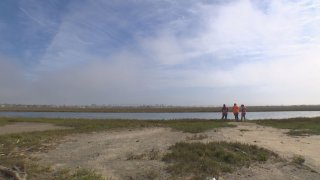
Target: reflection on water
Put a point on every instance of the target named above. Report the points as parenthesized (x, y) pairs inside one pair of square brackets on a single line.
[(162, 116)]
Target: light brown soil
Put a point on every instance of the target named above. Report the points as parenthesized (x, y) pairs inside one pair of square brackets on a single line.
[(27, 127), (136, 154), (275, 140)]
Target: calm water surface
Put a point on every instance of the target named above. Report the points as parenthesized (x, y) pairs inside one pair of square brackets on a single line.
[(161, 116)]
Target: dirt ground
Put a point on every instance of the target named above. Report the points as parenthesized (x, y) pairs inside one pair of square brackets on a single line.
[(136, 154), (27, 127)]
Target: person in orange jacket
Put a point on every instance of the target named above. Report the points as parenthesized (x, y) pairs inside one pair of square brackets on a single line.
[(235, 110)]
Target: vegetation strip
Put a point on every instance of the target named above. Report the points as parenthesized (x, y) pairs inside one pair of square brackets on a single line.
[(202, 161), (297, 126)]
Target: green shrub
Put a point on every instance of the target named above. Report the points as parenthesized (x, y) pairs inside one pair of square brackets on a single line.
[(201, 160)]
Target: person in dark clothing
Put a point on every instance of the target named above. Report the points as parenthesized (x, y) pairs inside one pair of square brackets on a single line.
[(243, 112), (224, 111)]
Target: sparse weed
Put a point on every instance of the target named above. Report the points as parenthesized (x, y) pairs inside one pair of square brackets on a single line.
[(131, 156), (297, 159), (150, 174), (197, 137), (244, 130), (153, 154), (80, 174)]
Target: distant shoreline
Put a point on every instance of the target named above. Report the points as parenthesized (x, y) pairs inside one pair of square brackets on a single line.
[(148, 109)]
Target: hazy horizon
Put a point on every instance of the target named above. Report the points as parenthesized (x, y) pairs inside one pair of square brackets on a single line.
[(183, 52), (155, 105)]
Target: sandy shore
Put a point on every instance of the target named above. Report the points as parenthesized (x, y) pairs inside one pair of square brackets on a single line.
[(136, 154)]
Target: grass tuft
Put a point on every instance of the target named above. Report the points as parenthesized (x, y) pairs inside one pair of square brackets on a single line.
[(197, 137), (200, 160), (244, 130), (297, 159)]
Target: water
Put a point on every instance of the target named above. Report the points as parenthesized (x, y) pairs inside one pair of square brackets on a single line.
[(160, 116)]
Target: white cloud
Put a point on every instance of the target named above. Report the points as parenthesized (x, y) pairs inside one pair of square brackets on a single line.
[(274, 51), (241, 28), (164, 49)]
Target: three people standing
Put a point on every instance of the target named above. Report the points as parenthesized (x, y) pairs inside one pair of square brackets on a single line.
[(235, 110)]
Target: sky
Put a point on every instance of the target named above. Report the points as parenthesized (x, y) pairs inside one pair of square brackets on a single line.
[(172, 52)]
